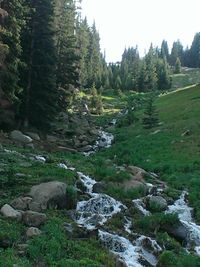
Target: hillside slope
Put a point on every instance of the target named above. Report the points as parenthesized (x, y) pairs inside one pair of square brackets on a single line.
[(173, 149)]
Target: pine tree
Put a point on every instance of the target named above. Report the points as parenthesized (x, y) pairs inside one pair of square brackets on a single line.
[(96, 101), (177, 68), (164, 50), (39, 80), (130, 68), (177, 51), (10, 34), (195, 52), (83, 33), (163, 73), (67, 76), (151, 69), (143, 77), (150, 119)]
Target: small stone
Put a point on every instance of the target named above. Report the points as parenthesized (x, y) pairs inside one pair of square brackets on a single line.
[(8, 212), (32, 218), (51, 138), (21, 203), (34, 136), (25, 164), (22, 175), (186, 133), (22, 250), (20, 137), (33, 231)]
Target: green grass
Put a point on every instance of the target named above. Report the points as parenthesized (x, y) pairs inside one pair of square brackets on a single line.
[(174, 157)]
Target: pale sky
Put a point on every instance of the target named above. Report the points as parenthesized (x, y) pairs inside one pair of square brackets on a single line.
[(124, 23)]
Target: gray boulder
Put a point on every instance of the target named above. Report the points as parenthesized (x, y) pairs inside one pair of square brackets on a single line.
[(99, 188), (20, 137), (32, 218), (179, 232), (8, 212), (49, 192), (33, 231)]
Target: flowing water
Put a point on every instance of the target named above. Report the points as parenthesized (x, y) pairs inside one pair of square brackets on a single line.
[(105, 140), (134, 254), (139, 204), (94, 212), (184, 212), (98, 209)]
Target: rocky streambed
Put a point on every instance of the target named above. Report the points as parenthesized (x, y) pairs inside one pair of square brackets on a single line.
[(130, 248)]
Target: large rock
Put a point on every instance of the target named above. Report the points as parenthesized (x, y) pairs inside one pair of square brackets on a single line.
[(32, 218), (8, 212), (179, 232), (20, 137), (49, 192), (99, 187)]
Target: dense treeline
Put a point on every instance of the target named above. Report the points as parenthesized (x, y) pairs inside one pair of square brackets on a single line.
[(47, 51)]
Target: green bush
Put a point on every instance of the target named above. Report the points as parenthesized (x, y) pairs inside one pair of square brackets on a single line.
[(169, 259), (8, 258), (156, 222), (168, 242)]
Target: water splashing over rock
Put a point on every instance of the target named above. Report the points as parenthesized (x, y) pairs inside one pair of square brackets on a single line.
[(184, 212), (105, 140), (138, 203), (97, 210), (140, 253)]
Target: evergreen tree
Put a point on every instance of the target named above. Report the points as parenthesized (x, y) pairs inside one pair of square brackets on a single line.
[(94, 59), (83, 33), (164, 53), (96, 101), (10, 43), (163, 74), (67, 75), (195, 52), (177, 68), (176, 52), (151, 69), (92, 63), (38, 78), (143, 77), (130, 68), (150, 119)]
